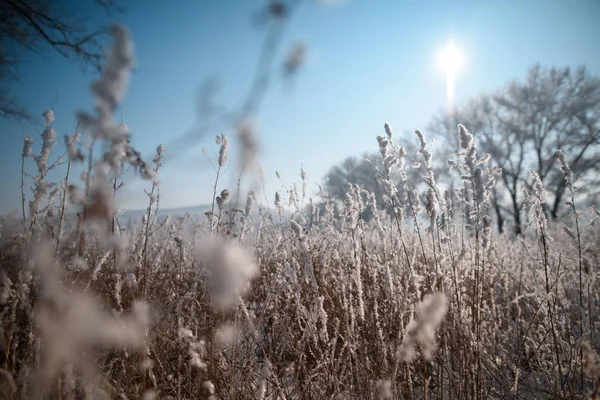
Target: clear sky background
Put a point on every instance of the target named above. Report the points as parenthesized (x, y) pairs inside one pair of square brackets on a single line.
[(368, 62)]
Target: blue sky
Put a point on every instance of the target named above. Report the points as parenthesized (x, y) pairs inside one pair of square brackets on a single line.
[(368, 62)]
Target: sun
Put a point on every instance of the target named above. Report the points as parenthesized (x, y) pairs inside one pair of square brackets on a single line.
[(450, 60)]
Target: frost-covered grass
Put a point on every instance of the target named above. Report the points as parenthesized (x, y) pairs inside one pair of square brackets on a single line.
[(279, 300)]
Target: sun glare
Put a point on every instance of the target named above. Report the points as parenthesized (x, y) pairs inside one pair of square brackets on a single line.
[(450, 60)]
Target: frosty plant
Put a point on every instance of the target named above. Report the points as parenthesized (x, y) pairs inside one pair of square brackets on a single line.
[(42, 188), (153, 201), (109, 90), (74, 155), (228, 269), (421, 330), (223, 142)]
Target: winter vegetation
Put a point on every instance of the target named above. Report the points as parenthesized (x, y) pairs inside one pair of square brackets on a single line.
[(412, 274)]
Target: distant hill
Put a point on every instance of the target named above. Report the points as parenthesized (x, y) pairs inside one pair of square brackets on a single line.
[(136, 215)]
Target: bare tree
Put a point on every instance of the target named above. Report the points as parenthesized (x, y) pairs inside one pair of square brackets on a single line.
[(34, 26), (352, 170), (523, 125)]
